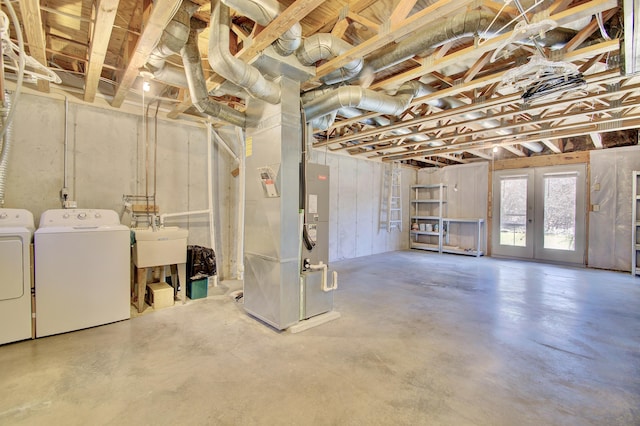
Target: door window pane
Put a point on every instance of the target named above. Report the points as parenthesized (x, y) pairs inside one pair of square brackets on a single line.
[(513, 211), (560, 212)]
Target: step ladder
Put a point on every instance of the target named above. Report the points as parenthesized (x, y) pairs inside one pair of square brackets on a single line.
[(391, 200)]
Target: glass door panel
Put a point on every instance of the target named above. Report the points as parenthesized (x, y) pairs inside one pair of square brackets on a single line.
[(513, 213)]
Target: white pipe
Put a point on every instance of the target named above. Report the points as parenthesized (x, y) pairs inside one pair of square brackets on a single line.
[(179, 214), (241, 206), (222, 143), (324, 267), (212, 232)]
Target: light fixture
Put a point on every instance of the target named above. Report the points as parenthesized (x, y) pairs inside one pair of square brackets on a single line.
[(495, 148), (146, 86)]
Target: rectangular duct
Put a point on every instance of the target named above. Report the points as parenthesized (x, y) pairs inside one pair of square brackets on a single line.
[(272, 234)]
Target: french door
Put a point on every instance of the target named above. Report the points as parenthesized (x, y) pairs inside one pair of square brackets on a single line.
[(539, 213)]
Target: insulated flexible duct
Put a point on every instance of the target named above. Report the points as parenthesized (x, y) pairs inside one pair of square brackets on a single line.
[(173, 38), (198, 87), (231, 68), (327, 46), (265, 11)]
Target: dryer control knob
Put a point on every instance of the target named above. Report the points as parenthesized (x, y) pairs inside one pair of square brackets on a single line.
[(82, 215), (65, 216), (98, 215), (3, 215)]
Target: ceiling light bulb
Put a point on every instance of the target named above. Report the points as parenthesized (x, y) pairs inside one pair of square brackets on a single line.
[(495, 148), (146, 86)]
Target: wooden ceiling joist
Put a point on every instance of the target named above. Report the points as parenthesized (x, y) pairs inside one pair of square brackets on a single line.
[(34, 31), (105, 16), (161, 14)]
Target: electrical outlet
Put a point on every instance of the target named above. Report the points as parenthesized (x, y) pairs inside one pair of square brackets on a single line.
[(595, 207), (596, 187)]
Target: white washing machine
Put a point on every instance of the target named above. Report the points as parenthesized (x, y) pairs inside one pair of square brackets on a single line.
[(82, 270), (16, 233)]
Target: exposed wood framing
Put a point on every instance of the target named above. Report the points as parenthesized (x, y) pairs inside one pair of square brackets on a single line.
[(105, 16), (34, 31), (161, 14), (596, 139)]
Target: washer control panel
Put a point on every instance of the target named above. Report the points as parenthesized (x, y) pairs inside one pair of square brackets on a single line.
[(79, 218), (16, 218)]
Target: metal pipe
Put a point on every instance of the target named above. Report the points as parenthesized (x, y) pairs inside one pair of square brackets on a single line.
[(327, 46), (66, 140), (198, 87), (180, 214), (241, 207), (233, 69), (265, 11)]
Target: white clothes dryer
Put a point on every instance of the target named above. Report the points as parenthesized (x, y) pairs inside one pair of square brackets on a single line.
[(16, 234)]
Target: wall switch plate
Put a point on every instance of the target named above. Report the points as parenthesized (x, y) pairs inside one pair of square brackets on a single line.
[(596, 187), (595, 207)]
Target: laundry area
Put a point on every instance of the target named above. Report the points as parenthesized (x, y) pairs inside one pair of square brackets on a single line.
[(258, 212)]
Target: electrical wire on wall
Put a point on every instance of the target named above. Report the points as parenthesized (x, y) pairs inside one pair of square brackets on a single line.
[(306, 239)]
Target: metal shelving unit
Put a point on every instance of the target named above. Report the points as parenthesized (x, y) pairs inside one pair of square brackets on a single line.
[(427, 210), (477, 251), (635, 225)]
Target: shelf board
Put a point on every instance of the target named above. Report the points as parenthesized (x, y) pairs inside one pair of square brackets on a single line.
[(426, 217), (456, 250), (433, 186), (436, 234), (428, 201), (462, 220), (423, 246)]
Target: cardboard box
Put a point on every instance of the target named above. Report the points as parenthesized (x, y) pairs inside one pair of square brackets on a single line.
[(159, 295)]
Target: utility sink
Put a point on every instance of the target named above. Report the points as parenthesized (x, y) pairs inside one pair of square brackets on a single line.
[(164, 246)]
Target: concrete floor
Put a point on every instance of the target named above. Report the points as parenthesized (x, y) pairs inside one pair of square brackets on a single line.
[(423, 339)]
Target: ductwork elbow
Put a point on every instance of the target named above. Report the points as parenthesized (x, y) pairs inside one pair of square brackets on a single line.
[(231, 68), (198, 87), (265, 11), (327, 46)]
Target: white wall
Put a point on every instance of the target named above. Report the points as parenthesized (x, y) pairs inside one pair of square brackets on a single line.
[(355, 187), (106, 159), (469, 201), (610, 227)]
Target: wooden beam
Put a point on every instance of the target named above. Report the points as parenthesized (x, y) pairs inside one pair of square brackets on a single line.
[(452, 158), (363, 21), (477, 67), (596, 139), (293, 14), (587, 31), (401, 11), (34, 31), (416, 21), (584, 10), (515, 150), (160, 16), (103, 25), (340, 28), (479, 153), (553, 146), (542, 161)]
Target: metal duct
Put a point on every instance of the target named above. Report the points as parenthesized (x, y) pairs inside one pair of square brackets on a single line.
[(173, 38), (198, 87), (265, 11), (458, 26), (5, 145), (327, 46), (233, 69), (368, 100)]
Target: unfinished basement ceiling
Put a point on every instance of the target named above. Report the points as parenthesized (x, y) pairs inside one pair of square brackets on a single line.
[(473, 66)]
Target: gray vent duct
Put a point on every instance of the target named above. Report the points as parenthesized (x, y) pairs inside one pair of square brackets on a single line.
[(327, 46), (231, 68), (458, 26), (265, 11), (368, 100), (173, 38), (198, 87)]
